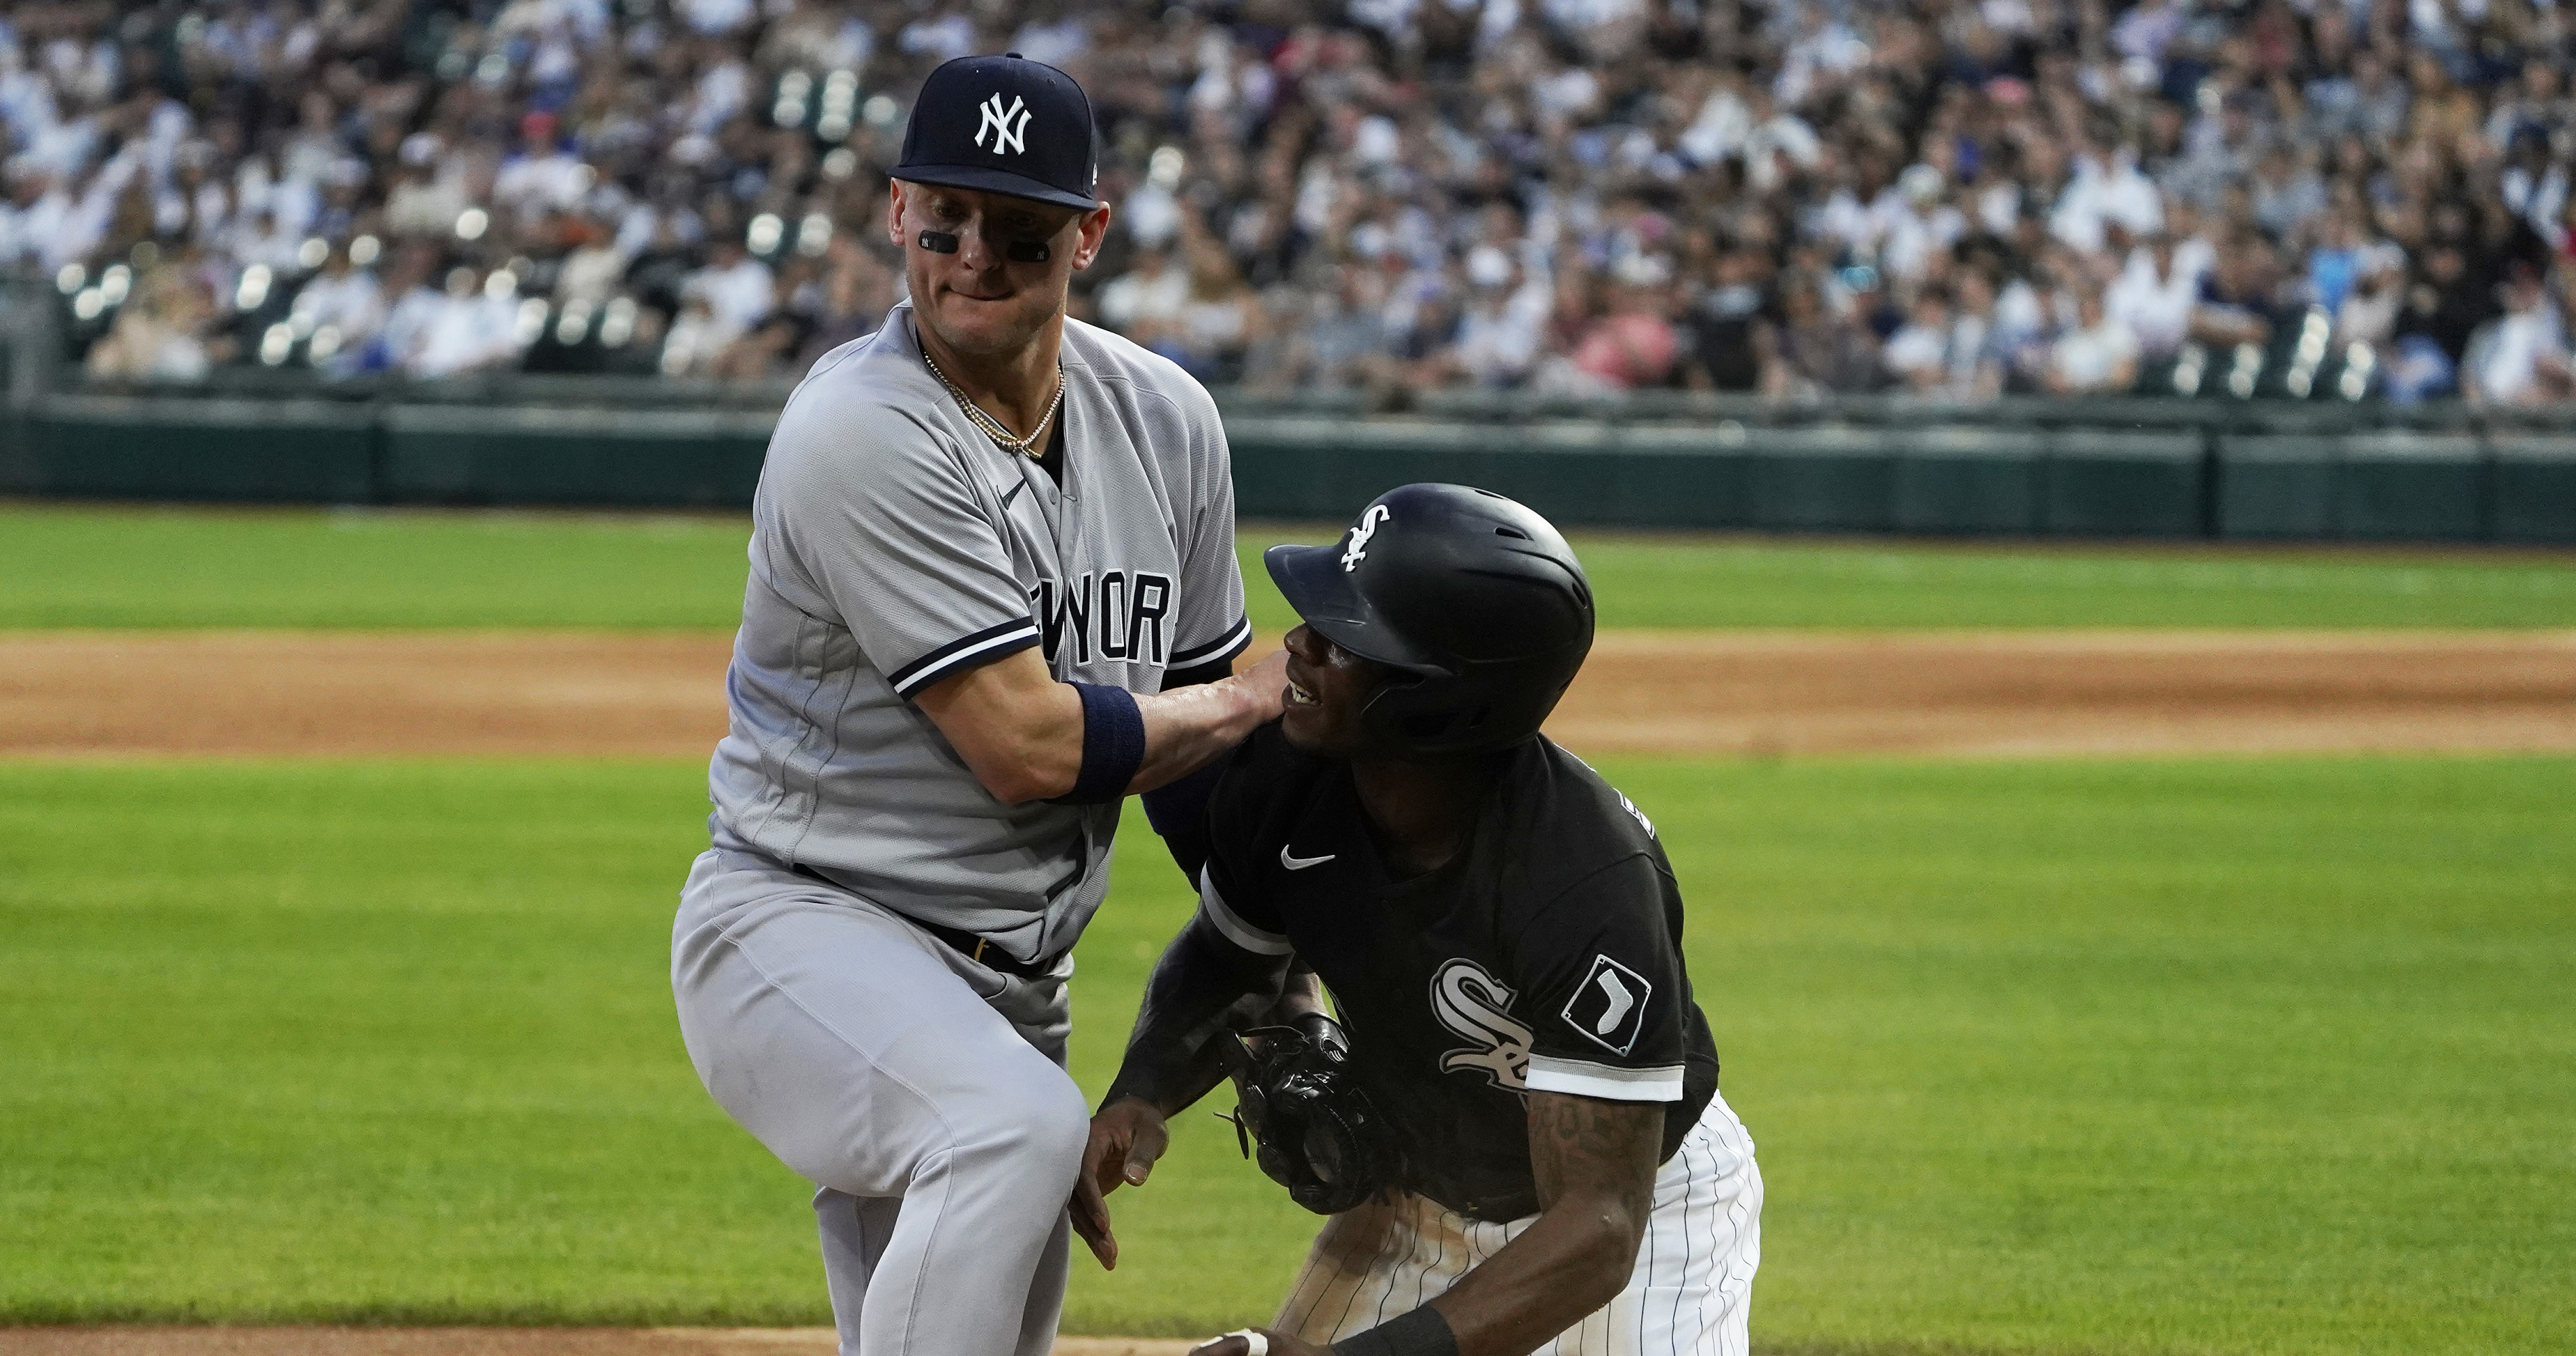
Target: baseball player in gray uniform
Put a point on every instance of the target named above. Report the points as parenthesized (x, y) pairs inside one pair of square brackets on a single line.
[(993, 590)]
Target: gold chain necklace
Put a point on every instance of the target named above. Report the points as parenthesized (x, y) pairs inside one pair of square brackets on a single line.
[(994, 428)]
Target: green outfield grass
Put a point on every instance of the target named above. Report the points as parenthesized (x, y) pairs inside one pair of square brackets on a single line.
[(2218, 1056), (167, 567)]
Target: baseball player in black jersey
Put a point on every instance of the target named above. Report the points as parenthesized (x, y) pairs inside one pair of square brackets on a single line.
[(1524, 1107)]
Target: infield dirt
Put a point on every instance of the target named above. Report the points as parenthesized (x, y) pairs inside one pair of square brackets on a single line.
[(2017, 693)]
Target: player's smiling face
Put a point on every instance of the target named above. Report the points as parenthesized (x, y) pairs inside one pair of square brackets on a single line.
[(978, 299), (1328, 687)]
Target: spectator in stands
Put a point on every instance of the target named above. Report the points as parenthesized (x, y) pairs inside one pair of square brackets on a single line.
[(2097, 355), (2445, 303), (739, 291), (428, 201), (476, 330), (413, 284), (1634, 345), (161, 339), (1976, 362), (343, 301), (2154, 297), (1341, 343), (2286, 191), (1818, 353), (1217, 321), (2237, 302), (1504, 326), (1918, 354), (593, 268), (22, 241), (542, 177), (1729, 333), (857, 292), (2519, 358), (1317, 195), (762, 354), (2369, 312), (1147, 302), (696, 339)]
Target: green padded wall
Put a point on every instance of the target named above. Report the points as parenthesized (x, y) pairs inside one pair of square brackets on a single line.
[(2276, 487), (624, 458), (2532, 489), (2400, 486), (2123, 485), (1678, 475), (1946, 478), (1965, 479), (17, 462), (244, 450), (1284, 468), (1820, 479), (1326, 469)]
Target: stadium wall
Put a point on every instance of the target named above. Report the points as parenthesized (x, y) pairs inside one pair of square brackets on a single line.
[(1944, 472)]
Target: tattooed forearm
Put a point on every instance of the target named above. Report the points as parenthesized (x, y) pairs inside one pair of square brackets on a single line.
[(1585, 1145), (1594, 1162)]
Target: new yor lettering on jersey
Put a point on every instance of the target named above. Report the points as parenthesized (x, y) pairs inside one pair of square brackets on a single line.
[(1366, 528), (1475, 1006), (1117, 614), (1009, 127)]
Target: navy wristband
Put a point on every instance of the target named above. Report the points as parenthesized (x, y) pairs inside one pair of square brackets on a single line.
[(1420, 1332), (1113, 745)]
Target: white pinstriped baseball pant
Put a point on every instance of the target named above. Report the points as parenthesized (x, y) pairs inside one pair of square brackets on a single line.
[(1688, 1296)]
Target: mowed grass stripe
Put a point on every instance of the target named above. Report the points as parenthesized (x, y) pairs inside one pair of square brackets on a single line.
[(2123, 1057), (91, 567)]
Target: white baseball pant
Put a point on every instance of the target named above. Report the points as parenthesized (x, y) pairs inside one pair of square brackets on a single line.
[(922, 1093), (1688, 1296)]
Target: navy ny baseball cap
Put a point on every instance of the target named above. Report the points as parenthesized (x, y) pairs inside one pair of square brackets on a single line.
[(1003, 124)]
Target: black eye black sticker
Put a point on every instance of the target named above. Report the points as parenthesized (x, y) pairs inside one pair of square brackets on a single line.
[(1017, 251)]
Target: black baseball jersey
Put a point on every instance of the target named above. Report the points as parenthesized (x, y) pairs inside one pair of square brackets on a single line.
[(1545, 956)]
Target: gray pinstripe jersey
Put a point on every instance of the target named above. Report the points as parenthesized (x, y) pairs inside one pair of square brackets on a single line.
[(894, 545)]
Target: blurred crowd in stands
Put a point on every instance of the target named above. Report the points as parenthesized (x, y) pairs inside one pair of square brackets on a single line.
[(1953, 198)]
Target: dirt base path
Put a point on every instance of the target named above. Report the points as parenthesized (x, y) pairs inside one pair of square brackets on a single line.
[(335, 1341), (1991, 693)]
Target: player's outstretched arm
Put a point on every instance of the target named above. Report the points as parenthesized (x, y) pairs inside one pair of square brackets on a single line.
[(1201, 976), (1022, 732), (1594, 1162)]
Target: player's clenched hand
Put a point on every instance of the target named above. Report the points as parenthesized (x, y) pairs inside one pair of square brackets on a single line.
[(1126, 1137), (1240, 1343), (1268, 679)]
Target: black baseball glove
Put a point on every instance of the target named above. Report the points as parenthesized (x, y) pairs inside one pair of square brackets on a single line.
[(1316, 1132)]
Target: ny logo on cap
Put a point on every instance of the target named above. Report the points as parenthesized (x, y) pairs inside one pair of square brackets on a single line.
[(1009, 126)]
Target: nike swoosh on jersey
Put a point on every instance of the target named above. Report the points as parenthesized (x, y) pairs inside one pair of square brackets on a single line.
[(1301, 863)]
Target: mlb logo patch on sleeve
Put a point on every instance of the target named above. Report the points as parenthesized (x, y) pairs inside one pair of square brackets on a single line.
[(1610, 1006)]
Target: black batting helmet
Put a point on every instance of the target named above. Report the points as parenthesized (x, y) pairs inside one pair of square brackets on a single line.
[(1475, 601)]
